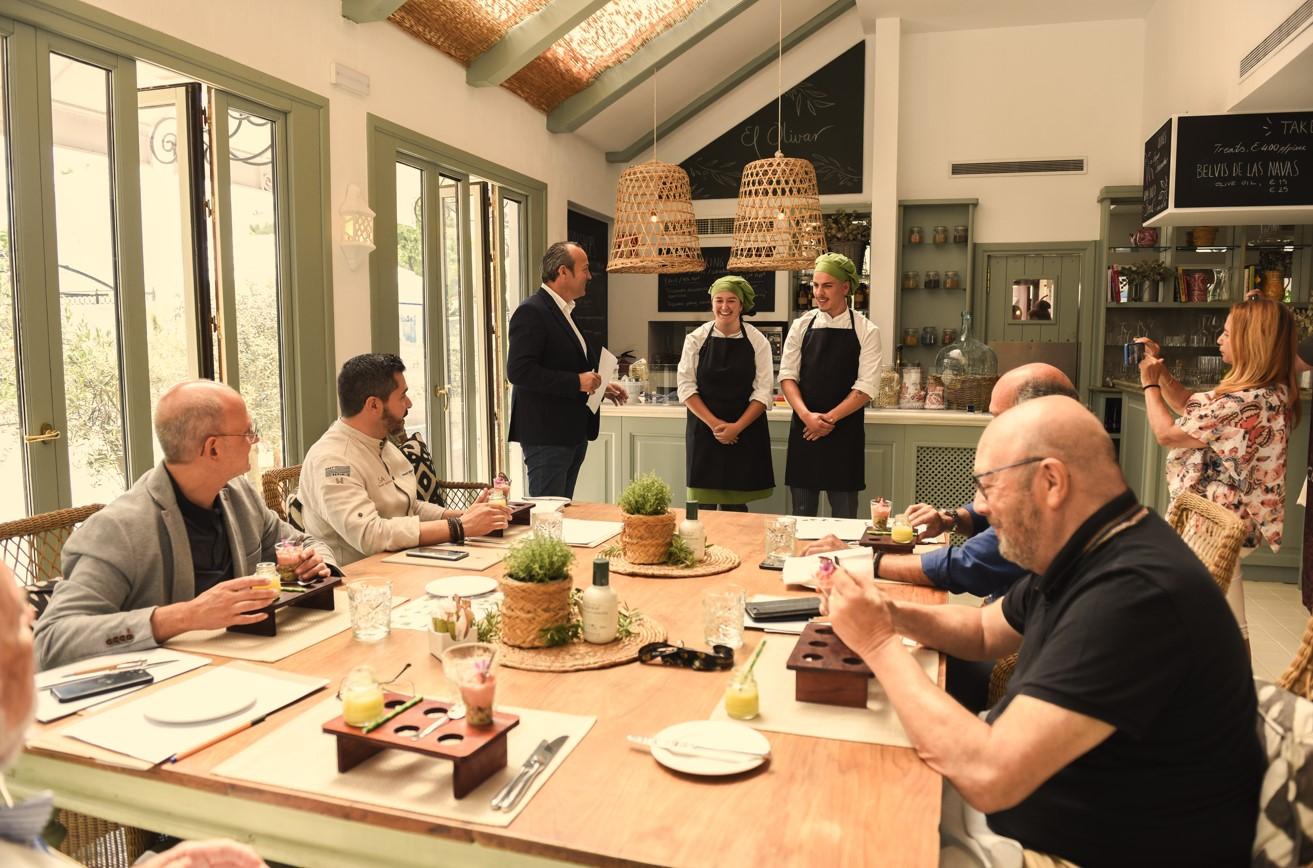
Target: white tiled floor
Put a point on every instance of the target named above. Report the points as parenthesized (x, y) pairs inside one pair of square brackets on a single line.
[(1277, 620)]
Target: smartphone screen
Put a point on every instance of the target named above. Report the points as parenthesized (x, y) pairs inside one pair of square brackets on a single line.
[(438, 554), (96, 685)]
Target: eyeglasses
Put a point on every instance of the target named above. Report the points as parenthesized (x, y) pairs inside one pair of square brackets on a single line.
[(722, 656), (976, 477), (251, 434)]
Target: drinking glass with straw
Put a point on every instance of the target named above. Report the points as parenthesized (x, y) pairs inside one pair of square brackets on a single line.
[(742, 701)]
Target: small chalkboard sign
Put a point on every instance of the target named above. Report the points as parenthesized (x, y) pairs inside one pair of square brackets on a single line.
[(823, 122), (1157, 172), (1244, 160), (682, 293)]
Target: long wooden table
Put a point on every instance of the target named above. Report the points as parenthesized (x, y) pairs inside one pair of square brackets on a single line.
[(818, 801)]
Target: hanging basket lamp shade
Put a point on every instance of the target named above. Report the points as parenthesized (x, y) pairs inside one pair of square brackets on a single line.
[(777, 226), (655, 231)]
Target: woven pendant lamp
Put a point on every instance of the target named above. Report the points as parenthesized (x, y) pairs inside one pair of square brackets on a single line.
[(777, 225), (655, 231)]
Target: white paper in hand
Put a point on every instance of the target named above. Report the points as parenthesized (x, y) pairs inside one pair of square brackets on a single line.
[(607, 368), (802, 570)]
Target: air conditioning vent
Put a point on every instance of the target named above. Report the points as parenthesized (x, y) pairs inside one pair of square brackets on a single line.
[(715, 225), (1020, 167), (1298, 20)]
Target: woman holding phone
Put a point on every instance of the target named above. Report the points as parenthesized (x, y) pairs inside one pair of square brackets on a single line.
[(1229, 443), (725, 378)]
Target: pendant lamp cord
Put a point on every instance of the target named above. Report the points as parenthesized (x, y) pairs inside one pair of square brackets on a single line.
[(654, 131), (779, 83)]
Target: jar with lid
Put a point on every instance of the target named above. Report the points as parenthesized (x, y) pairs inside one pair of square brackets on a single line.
[(959, 235), (934, 392), (969, 369), (886, 388), (911, 393), (932, 280), (940, 235), (911, 337), (952, 280), (950, 335), (929, 337), (911, 280), (914, 235)]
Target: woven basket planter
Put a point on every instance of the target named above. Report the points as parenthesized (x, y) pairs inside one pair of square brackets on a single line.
[(646, 538), (968, 390), (531, 607)]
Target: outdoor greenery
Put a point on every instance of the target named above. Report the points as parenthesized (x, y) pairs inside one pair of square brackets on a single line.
[(647, 494), (538, 558)]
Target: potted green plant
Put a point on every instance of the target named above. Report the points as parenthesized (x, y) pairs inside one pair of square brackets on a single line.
[(536, 588), (848, 233), (649, 524)]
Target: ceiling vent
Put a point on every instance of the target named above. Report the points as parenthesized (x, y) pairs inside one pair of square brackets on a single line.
[(715, 225), (1074, 166), (1298, 20)]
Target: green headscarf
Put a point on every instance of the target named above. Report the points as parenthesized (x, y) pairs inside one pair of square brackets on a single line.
[(839, 266), (737, 285)]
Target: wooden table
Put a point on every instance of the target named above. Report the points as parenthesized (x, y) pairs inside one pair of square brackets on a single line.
[(817, 802)]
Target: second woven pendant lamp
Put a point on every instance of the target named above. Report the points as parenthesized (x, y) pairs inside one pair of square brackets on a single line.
[(777, 225)]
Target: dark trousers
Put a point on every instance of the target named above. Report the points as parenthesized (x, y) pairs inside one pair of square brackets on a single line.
[(806, 501), (725, 507), (552, 470)]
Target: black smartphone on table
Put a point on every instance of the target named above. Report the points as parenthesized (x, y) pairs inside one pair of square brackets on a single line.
[(792, 609), (84, 688), (438, 554)]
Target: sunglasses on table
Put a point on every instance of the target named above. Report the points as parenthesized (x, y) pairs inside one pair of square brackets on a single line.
[(721, 656)]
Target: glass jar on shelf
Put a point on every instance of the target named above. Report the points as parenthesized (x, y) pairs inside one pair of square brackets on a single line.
[(959, 235), (911, 280), (934, 392), (929, 337), (952, 280), (911, 337), (932, 280), (886, 388), (911, 394), (940, 235), (950, 335), (914, 235), (969, 369)]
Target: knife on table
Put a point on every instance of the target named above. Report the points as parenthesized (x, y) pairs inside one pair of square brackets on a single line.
[(542, 756)]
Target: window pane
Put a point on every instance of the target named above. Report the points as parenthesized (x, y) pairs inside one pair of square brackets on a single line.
[(88, 292), (13, 488), (410, 293), (449, 202), (253, 206)]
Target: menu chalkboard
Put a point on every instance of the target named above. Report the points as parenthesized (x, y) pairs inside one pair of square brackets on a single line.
[(823, 117), (1244, 160), (1157, 174), (592, 235), (688, 292)]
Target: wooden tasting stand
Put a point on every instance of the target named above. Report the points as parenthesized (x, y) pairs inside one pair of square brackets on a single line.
[(317, 596), (826, 670)]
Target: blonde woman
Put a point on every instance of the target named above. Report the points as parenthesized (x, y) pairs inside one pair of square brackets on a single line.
[(1229, 444)]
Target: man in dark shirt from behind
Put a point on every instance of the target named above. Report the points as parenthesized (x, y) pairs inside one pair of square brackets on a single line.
[(1127, 732)]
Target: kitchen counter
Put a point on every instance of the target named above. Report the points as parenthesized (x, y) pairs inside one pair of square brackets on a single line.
[(951, 418)]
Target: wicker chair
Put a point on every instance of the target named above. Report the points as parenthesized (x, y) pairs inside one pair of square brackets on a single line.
[(460, 495), (32, 548), (1214, 534), (278, 485)]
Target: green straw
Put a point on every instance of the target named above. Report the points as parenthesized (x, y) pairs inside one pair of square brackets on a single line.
[(753, 661), (370, 727)]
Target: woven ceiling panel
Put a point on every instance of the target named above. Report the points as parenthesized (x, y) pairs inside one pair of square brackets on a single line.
[(463, 29), (607, 37)]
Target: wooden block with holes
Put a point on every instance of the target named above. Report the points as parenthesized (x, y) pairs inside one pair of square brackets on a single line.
[(826, 670), (476, 753)]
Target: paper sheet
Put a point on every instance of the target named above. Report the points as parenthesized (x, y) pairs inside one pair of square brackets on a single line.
[(49, 708), (480, 558), (125, 728), (586, 533), (607, 367), (802, 570), (849, 529), (299, 756)]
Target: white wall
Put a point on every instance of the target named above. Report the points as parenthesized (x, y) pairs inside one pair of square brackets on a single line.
[(412, 84)]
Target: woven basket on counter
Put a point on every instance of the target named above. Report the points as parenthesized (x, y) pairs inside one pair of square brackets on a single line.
[(968, 390), (529, 608), (645, 539)]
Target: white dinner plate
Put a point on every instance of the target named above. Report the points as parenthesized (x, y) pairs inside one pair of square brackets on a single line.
[(467, 586), (182, 706), (711, 733)]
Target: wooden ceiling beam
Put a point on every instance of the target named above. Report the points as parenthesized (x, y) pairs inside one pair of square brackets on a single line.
[(528, 39), (366, 11)]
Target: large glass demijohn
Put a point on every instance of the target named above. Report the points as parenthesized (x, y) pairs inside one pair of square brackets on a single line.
[(969, 369)]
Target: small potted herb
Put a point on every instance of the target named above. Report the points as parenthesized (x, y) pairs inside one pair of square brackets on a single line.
[(649, 524), (536, 587)]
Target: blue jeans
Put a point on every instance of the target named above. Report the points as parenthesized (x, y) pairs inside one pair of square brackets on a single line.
[(552, 470), (806, 501)]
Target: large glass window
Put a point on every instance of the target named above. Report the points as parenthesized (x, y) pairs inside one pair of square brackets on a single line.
[(13, 499), (412, 322), (453, 370)]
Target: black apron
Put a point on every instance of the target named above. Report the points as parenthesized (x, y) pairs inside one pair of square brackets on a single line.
[(827, 370), (727, 368)]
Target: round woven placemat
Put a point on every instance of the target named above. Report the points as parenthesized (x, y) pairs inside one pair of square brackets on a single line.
[(718, 560), (580, 655)]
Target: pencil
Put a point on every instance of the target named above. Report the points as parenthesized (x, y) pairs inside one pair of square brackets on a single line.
[(179, 757)]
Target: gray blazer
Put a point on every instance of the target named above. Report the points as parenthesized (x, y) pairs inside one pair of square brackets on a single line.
[(134, 555)]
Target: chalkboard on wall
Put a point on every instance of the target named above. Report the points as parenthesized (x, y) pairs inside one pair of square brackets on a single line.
[(688, 292), (593, 236), (1157, 171), (1244, 160), (823, 120)]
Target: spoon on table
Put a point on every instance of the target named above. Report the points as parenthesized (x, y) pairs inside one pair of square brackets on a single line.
[(456, 712)]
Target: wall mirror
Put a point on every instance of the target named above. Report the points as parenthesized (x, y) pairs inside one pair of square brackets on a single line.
[(1033, 299)]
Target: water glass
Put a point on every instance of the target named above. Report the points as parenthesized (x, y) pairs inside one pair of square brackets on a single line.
[(371, 608), (544, 522), (722, 616), (781, 536)]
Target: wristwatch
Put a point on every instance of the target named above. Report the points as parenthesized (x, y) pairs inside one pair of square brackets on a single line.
[(949, 518)]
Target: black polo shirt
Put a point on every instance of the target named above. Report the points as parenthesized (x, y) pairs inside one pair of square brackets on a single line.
[(211, 555), (1133, 631)]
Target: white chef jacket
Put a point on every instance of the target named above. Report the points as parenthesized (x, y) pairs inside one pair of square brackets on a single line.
[(868, 336), (687, 382)]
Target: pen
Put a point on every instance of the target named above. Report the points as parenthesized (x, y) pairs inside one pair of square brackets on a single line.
[(126, 664), (179, 757)]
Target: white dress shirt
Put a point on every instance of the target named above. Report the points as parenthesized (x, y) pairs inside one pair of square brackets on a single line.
[(566, 308), (687, 382), (868, 336)]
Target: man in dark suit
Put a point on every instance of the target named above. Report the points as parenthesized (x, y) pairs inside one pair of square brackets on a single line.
[(553, 368)]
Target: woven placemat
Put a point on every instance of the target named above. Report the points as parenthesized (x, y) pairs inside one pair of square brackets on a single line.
[(718, 560), (580, 655)]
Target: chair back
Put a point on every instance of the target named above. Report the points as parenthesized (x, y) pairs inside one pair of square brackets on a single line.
[(459, 495), (278, 485), (32, 547), (1212, 532)]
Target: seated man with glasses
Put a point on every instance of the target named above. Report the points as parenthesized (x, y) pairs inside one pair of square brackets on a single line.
[(178, 551), (1127, 732)]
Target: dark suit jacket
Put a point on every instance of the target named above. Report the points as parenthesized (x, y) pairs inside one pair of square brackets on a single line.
[(543, 364)]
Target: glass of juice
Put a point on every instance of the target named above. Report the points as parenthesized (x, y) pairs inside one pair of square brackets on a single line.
[(901, 531), (742, 702)]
